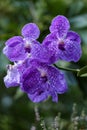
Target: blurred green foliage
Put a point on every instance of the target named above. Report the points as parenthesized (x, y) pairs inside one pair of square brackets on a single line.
[(18, 114)]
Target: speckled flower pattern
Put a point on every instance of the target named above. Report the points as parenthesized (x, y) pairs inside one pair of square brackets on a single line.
[(33, 63)]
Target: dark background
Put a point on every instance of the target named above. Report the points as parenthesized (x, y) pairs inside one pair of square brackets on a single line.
[(16, 110)]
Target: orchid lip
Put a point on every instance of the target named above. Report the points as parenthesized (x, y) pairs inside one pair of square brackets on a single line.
[(61, 45), (43, 74)]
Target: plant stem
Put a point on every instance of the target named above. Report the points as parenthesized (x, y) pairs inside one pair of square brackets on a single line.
[(66, 69)]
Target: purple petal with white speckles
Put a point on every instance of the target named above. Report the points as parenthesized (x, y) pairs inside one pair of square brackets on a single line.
[(14, 48), (57, 80), (72, 48), (50, 37), (33, 83), (12, 78), (51, 48), (31, 31), (38, 96), (13, 41), (74, 37), (15, 53), (31, 80), (61, 25)]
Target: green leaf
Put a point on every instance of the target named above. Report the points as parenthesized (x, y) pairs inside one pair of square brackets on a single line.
[(82, 72), (79, 21), (73, 10), (3, 62), (66, 69), (83, 34), (56, 7)]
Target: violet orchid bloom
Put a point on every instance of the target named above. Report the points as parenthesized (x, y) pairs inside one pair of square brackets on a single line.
[(14, 72), (32, 69), (18, 47), (40, 81), (64, 44)]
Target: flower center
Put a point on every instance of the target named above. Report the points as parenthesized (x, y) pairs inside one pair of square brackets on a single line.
[(44, 78), (27, 45), (61, 45), (43, 75), (27, 49)]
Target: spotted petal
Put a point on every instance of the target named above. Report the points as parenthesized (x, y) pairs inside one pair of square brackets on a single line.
[(61, 25), (57, 80), (41, 78), (72, 48), (12, 78), (74, 37), (31, 31), (14, 49), (31, 80), (51, 48), (38, 96), (14, 41), (14, 53)]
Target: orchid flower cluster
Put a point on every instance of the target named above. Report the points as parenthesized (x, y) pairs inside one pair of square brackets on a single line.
[(33, 63)]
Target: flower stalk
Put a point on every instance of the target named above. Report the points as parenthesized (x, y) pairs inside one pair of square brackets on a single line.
[(67, 69)]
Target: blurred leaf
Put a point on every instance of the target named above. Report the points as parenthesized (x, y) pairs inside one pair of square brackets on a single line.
[(83, 34), (18, 94), (79, 21), (66, 68), (57, 6), (73, 10), (82, 72), (3, 62)]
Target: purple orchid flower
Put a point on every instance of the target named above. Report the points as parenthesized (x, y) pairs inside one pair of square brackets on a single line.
[(32, 69), (18, 48), (64, 44), (40, 81)]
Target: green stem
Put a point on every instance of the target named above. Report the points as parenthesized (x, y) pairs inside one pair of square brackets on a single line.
[(67, 69)]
